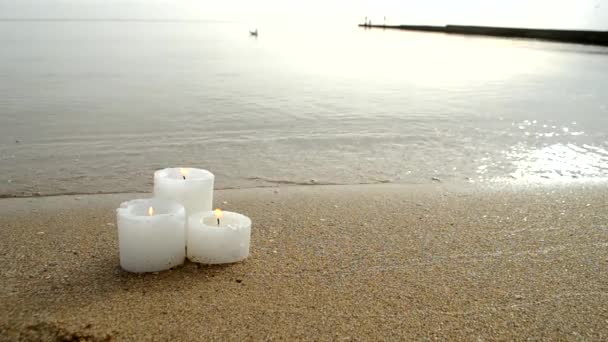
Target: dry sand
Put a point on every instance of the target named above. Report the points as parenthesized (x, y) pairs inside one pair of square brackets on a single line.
[(327, 263)]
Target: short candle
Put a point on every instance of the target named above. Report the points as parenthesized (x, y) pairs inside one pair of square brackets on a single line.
[(218, 237), (151, 234), (193, 188)]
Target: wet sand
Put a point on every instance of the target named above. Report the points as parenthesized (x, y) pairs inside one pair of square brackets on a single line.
[(327, 263)]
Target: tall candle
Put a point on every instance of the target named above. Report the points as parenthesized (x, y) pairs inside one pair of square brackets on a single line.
[(151, 234), (218, 238), (191, 187)]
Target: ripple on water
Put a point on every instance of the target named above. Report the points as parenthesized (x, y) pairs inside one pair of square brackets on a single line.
[(557, 162), (546, 152)]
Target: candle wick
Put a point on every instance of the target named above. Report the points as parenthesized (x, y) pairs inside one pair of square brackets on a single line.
[(184, 177), (218, 221)]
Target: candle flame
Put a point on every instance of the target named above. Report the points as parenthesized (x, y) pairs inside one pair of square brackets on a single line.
[(218, 213), (150, 211), (184, 171)]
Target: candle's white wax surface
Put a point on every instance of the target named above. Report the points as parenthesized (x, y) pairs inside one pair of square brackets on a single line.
[(209, 243), (151, 243), (195, 192)]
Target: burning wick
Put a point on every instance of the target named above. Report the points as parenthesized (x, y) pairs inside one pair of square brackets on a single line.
[(184, 172), (150, 211), (218, 215)]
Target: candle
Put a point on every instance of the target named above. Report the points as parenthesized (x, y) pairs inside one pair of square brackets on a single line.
[(218, 237), (151, 234), (191, 187)]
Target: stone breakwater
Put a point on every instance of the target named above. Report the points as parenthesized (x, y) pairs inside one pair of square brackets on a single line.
[(566, 36)]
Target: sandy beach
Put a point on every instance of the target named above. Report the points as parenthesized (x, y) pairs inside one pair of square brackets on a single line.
[(381, 262)]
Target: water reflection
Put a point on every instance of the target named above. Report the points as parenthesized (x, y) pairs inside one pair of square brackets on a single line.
[(423, 59), (547, 152), (558, 162), (340, 106)]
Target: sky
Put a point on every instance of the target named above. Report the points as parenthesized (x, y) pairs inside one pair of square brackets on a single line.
[(574, 14)]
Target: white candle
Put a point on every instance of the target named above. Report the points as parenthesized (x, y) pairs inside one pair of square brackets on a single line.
[(213, 243), (192, 188), (151, 234)]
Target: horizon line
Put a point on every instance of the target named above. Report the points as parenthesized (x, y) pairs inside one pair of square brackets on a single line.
[(114, 20)]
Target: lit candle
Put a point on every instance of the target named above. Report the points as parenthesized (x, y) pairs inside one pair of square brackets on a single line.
[(193, 188), (151, 234), (218, 237)]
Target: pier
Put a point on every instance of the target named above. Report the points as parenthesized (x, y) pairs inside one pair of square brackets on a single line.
[(565, 36)]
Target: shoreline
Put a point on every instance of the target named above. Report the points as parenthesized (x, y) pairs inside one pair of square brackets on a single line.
[(327, 262), (564, 36), (496, 185)]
